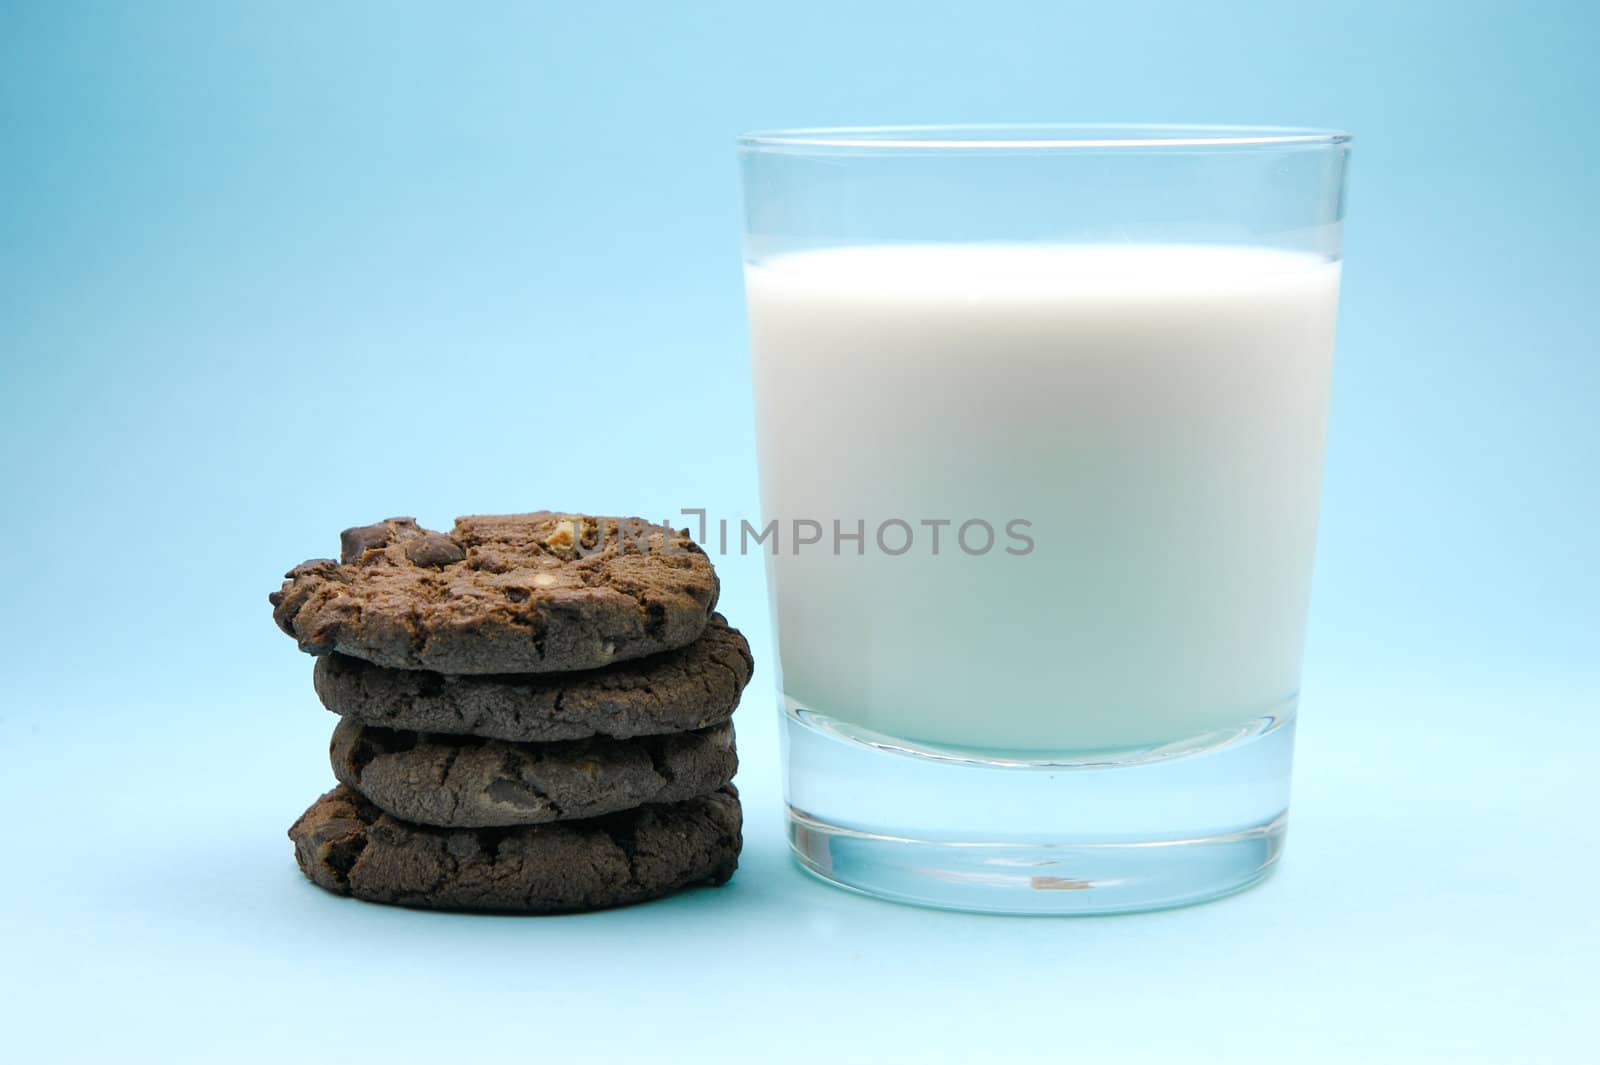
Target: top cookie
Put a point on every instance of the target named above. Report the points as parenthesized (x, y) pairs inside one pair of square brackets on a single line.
[(521, 593)]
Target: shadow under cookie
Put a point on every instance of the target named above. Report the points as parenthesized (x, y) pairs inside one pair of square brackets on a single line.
[(464, 782), (348, 846), (690, 688)]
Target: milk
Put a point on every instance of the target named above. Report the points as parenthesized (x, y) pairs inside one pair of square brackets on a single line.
[(1150, 418)]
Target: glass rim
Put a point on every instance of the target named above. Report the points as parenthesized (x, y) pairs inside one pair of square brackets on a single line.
[(1048, 136)]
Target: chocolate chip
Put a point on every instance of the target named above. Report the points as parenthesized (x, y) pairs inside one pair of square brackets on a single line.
[(353, 543), (434, 551)]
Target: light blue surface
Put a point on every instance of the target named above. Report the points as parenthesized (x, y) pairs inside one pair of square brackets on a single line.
[(268, 270)]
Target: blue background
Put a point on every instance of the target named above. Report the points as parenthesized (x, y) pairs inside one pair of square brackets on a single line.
[(269, 270)]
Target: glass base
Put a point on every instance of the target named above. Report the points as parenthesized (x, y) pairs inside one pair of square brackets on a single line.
[(1141, 830)]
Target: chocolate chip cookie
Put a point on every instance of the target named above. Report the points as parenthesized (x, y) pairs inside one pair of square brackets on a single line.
[(523, 593), (463, 782), (690, 688), (347, 845)]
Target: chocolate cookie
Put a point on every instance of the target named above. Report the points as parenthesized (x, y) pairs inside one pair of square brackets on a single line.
[(463, 782), (690, 688), (348, 846), (524, 593)]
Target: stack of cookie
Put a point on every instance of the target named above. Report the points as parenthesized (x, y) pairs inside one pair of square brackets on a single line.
[(534, 713)]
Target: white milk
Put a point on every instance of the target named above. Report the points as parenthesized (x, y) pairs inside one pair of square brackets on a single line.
[(1156, 413)]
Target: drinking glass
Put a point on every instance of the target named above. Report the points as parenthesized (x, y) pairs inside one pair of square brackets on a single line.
[(1040, 415)]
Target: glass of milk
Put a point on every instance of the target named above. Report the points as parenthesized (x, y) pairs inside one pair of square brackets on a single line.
[(1040, 414)]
